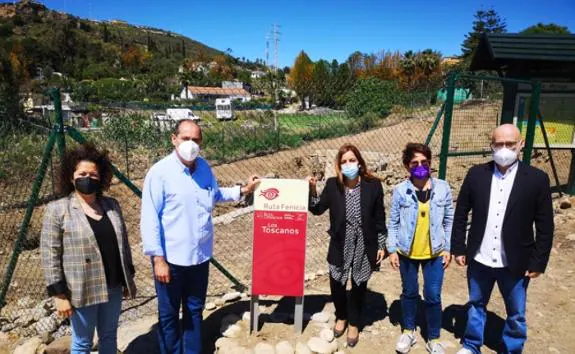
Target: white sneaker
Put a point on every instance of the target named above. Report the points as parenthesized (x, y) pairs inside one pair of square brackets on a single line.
[(435, 347), (405, 342), (464, 351)]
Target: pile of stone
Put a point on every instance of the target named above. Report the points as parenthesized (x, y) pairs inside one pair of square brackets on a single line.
[(227, 298), (233, 327), (27, 318)]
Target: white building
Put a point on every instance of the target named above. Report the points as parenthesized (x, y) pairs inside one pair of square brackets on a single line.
[(257, 74)]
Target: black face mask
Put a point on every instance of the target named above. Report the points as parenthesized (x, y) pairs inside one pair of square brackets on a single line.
[(87, 185)]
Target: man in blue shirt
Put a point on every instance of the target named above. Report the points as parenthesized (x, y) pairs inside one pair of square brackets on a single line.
[(177, 232)]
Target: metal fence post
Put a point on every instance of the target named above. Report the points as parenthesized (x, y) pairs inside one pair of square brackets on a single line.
[(530, 133), (435, 124), (54, 94), (27, 216), (447, 125)]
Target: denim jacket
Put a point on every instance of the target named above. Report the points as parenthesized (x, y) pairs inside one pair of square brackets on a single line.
[(404, 213)]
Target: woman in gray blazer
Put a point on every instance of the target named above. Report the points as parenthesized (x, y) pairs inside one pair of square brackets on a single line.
[(86, 257)]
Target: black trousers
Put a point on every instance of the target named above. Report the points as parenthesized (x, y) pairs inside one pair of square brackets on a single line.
[(339, 297)]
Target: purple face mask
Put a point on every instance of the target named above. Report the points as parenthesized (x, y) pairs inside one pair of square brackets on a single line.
[(420, 172)]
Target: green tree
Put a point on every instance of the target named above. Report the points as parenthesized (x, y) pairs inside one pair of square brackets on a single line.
[(300, 78), (321, 78), (485, 22), (546, 28)]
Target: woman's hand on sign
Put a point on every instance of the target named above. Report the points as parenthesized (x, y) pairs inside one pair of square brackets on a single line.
[(312, 180)]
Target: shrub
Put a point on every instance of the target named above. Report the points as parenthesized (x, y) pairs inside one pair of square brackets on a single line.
[(372, 95)]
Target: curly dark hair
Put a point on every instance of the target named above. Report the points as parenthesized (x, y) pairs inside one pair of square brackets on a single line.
[(411, 149), (86, 152)]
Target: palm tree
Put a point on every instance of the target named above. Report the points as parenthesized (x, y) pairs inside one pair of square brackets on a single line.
[(408, 66)]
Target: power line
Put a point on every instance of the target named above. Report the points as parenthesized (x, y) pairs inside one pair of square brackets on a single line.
[(276, 37)]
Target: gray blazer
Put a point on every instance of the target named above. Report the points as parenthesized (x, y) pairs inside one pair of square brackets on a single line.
[(71, 259)]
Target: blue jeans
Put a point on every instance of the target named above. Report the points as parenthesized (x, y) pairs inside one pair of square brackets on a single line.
[(432, 283), (103, 317), (513, 288), (187, 288)]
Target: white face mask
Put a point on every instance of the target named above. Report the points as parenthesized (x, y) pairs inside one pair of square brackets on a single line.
[(504, 156), (188, 150)]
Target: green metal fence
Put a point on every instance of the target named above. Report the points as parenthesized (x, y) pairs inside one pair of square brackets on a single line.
[(269, 143)]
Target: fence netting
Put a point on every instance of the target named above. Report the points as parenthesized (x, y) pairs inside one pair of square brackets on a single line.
[(266, 142)]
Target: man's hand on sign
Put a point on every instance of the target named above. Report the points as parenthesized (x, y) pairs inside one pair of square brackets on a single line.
[(312, 184), (253, 182)]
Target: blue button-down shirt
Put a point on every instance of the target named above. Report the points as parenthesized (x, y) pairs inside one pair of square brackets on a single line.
[(176, 220)]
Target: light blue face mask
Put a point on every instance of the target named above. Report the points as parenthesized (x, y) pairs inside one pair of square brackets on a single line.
[(350, 170)]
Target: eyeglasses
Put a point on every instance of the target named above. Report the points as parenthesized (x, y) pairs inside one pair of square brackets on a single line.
[(507, 144), (419, 163)]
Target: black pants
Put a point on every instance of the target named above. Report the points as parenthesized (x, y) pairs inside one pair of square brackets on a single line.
[(339, 296)]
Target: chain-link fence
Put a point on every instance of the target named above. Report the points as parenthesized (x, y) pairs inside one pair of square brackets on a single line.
[(270, 143)]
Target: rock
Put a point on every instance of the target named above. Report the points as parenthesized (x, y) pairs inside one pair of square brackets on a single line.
[(39, 313), (63, 331), (322, 317), (60, 346), (8, 327), (24, 317), (320, 346), (339, 352), (570, 237), (231, 331), (226, 345), (25, 332), (46, 337), (47, 304), (327, 335), (133, 330), (264, 348), (210, 306), (320, 273), (26, 303), (28, 347), (245, 296), (232, 296), (284, 347), (219, 302), (246, 316), (302, 349), (565, 203), (46, 325), (41, 349), (553, 350)]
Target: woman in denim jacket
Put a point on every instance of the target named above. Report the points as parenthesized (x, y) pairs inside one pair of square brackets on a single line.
[(419, 233)]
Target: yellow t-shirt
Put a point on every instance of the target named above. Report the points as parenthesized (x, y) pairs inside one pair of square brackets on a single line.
[(421, 246)]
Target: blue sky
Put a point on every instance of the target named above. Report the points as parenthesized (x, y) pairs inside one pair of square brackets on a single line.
[(325, 29)]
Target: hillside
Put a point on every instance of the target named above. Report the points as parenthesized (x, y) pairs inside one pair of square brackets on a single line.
[(36, 42)]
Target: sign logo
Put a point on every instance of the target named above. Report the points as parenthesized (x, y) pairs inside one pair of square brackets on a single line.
[(270, 193)]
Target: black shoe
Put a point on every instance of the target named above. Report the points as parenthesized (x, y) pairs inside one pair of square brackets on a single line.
[(352, 342), (337, 333)]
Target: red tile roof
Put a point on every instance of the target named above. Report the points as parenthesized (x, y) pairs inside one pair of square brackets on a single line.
[(215, 91)]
